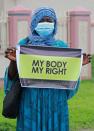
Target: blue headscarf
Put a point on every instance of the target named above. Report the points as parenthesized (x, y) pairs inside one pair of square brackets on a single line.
[(37, 16)]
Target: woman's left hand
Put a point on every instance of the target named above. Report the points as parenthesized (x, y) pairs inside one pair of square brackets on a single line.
[(86, 59)]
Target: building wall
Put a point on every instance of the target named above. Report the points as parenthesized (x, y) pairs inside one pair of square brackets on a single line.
[(3, 64), (4, 6), (92, 38), (60, 6)]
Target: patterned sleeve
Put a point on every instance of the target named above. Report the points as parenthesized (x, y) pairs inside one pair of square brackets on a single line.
[(7, 81)]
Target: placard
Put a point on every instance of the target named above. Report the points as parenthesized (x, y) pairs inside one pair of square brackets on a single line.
[(49, 67)]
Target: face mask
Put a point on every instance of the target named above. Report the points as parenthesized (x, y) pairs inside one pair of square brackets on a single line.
[(44, 29)]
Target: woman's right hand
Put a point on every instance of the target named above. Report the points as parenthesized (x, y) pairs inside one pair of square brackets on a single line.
[(10, 53)]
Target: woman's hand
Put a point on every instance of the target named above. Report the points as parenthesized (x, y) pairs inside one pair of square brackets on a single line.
[(86, 59), (10, 53)]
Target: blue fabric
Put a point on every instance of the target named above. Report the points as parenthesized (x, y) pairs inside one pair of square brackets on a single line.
[(7, 82), (37, 16), (43, 109), (45, 29)]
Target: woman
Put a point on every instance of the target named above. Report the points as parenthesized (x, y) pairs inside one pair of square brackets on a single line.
[(41, 109)]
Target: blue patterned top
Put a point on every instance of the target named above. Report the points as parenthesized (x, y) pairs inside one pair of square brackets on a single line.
[(42, 109)]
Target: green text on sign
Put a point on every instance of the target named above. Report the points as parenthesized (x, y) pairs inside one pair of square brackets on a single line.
[(49, 67)]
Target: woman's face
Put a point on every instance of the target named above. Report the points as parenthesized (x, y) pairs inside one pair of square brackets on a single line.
[(45, 27), (46, 19)]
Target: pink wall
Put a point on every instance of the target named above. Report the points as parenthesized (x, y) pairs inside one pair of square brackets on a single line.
[(75, 16), (16, 14)]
